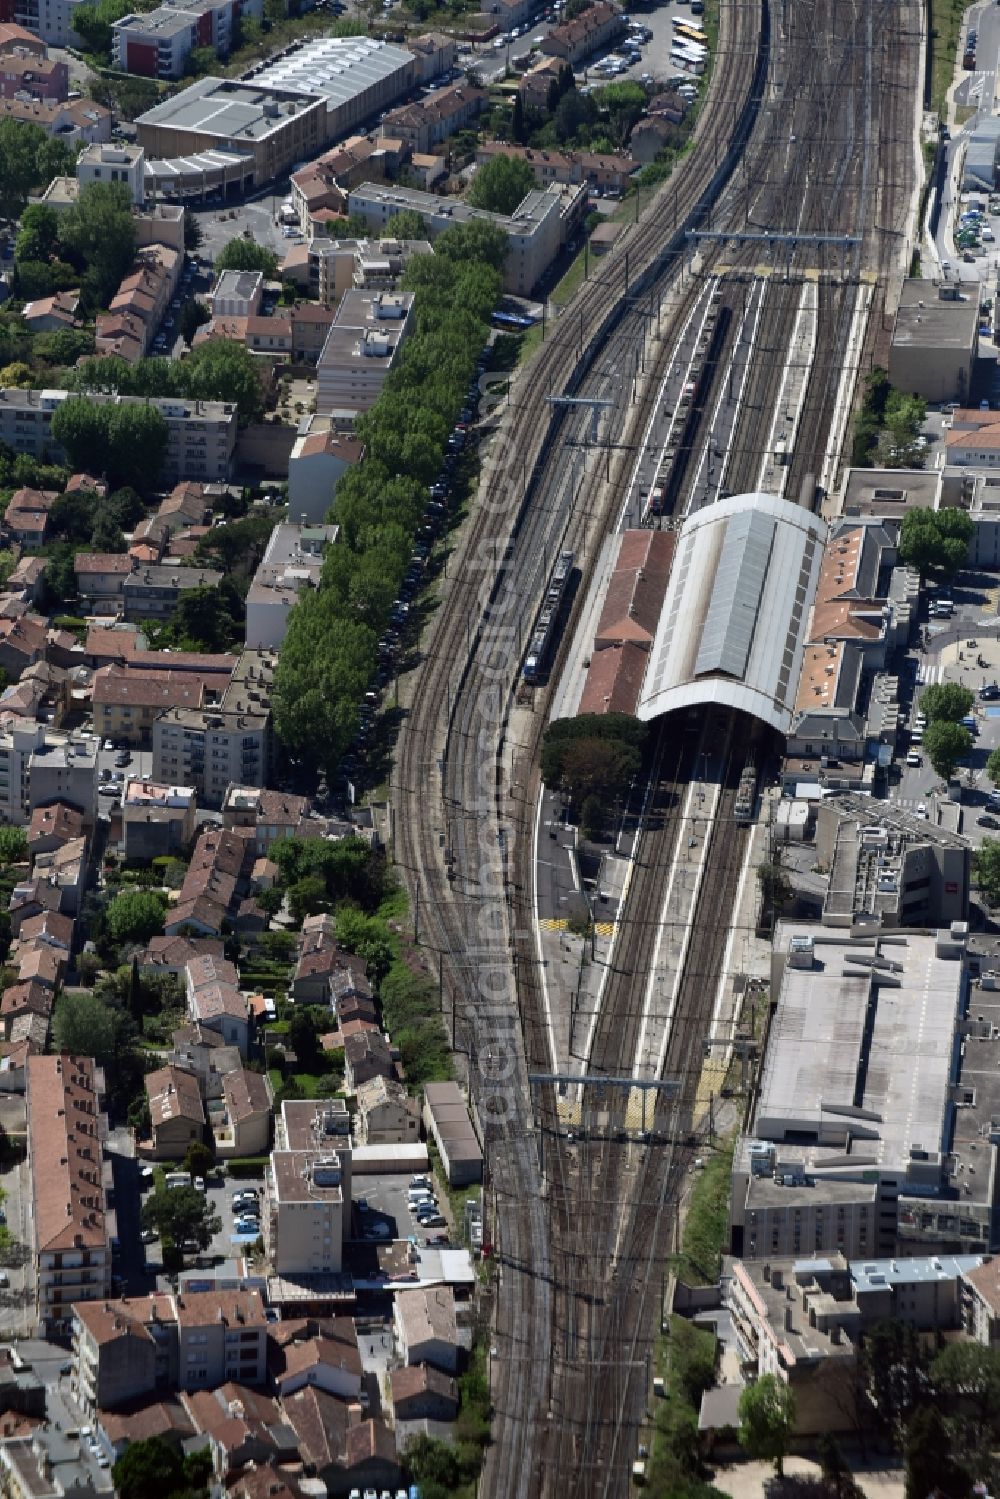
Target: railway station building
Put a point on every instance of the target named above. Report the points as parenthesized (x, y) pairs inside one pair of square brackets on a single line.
[(935, 339), (874, 1131), (733, 626)]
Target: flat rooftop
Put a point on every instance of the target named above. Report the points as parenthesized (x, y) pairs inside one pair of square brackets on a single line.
[(926, 320), (889, 492), (338, 69), (164, 22), (443, 211), (230, 109)]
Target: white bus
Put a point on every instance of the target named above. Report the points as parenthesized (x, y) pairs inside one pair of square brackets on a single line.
[(681, 56)]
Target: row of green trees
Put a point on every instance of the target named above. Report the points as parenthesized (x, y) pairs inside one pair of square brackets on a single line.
[(126, 443), (888, 426), (219, 370), (330, 652)]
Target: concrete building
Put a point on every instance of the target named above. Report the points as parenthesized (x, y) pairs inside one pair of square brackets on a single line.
[(630, 614), (259, 132), (536, 231), (357, 78), (157, 820), (74, 121), (598, 169), (237, 294), (446, 1118), (156, 43), (229, 744), (338, 265), (201, 435), (432, 119), (889, 867), (114, 163), (154, 591), (39, 765), (292, 561), (51, 20), (305, 1213), (361, 348), (856, 1142), (426, 1328), (802, 1321), (24, 73), (935, 339), (69, 1226), (317, 463)]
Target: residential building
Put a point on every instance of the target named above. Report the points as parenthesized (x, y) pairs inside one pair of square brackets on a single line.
[(237, 294), (26, 519), (434, 53), (50, 20), (597, 169), (52, 827), (19, 39), (222, 1335), (39, 766), (215, 1002), (73, 121), (264, 129), (306, 1212), (338, 265), (128, 700), (121, 1349), (361, 348), (114, 163), (592, 29), (292, 560), (229, 744), (537, 84), (271, 815), (52, 314), (241, 1124), (100, 579), (419, 1392), (536, 231), (446, 1118), (802, 1321), (177, 1115), (426, 1328), (156, 44), (935, 339), (366, 1056), (201, 435), (317, 463), (435, 117), (69, 1225), (387, 1115), (217, 879), (156, 820), (322, 1353), (855, 1142), (153, 592), (980, 1295)]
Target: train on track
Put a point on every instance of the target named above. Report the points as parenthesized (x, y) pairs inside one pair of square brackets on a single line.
[(666, 487), (547, 622), (746, 793)]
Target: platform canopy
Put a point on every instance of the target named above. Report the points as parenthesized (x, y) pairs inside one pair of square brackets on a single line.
[(736, 611)]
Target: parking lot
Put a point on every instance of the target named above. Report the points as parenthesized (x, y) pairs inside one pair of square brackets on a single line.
[(220, 224), (226, 1244), (388, 1214)]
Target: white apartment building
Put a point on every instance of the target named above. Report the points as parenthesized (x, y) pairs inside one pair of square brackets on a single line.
[(306, 1212), (39, 765), (361, 348), (237, 294), (103, 162), (293, 560), (52, 20)]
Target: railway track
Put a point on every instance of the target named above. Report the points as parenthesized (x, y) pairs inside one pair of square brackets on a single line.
[(463, 795)]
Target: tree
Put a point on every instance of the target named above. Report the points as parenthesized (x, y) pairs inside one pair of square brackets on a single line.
[(192, 232), (64, 345), (38, 233), (97, 233), (306, 897), (244, 254), (303, 1033), (13, 844), (518, 128), (767, 1417), (224, 371), (969, 1372), (127, 443), (946, 701), (407, 224), (28, 159), (18, 376), (993, 767), (894, 1370), (135, 916), (149, 1469), (930, 1467), (192, 316), (935, 540), (198, 1159), (986, 869), (85, 1024), (501, 184), (625, 104), (775, 886), (946, 743), (181, 1214)]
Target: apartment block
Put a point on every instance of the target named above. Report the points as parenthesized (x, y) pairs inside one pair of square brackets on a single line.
[(114, 163), (69, 1225), (586, 33), (22, 73), (292, 560), (425, 124), (362, 346), (231, 744), (237, 294), (39, 765), (128, 700), (154, 591), (307, 1189), (157, 820), (201, 435), (536, 231)]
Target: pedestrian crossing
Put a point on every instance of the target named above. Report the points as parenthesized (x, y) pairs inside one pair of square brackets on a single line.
[(910, 803), (929, 672)]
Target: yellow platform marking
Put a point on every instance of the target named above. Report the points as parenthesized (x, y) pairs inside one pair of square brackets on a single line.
[(990, 606), (713, 1076), (605, 928), (553, 923), (568, 1109)]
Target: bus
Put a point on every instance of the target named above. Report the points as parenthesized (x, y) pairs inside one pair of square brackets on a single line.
[(681, 56), (694, 48), (689, 32)]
